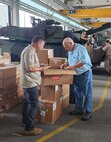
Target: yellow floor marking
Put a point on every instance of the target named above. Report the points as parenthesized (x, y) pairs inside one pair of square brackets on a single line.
[(102, 99), (75, 120)]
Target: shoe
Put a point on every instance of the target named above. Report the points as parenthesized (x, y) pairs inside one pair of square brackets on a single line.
[(86, 116), (34, 132), (75, 113)]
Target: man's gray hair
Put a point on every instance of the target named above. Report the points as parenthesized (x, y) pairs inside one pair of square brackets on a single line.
[(67, 40)]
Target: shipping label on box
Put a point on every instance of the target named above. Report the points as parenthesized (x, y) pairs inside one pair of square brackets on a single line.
[(54, 106)]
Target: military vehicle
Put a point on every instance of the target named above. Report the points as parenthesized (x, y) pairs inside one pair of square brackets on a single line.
[(14, 39)]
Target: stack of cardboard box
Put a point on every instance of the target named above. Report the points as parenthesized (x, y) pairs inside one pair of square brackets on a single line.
[(8, 88), (54, 88)]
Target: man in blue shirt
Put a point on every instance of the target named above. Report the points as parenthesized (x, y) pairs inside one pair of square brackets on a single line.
[(79, 60)]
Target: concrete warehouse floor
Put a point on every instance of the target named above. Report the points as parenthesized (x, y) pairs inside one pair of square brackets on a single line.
[(68, 128)]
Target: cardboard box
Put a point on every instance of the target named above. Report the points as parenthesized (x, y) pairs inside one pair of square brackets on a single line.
[(12, 104), (8, 90), (49, 111), (65, 95), (19, 91), (56, 62), (57, 77), (5, 59), (7, 98), (65, 89), (7, 77), (51, 93), (6, 54), (65, 101), (44, 55)]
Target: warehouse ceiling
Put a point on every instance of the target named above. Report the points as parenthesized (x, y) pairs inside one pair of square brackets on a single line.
[(91, 13)]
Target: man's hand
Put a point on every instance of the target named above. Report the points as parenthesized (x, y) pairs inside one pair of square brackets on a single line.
[(69, 68), (63, 66), (45, 68)]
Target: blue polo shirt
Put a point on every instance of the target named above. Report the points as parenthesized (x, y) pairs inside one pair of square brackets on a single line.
[(79, 54)]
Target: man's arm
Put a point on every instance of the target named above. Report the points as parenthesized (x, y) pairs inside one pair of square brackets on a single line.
[(77, 65), (35, 69)]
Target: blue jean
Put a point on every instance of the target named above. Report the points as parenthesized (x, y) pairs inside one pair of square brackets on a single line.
[(83, 92), (30, 105)]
